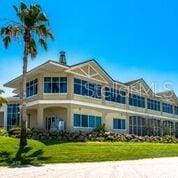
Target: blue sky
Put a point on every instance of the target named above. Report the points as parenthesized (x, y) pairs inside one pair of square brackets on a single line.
[(130, 39)]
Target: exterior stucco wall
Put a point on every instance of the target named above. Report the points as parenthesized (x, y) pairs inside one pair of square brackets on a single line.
[(108, 120), (33, 118)]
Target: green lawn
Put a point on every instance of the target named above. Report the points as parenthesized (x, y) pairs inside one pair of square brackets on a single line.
[(52, 152)]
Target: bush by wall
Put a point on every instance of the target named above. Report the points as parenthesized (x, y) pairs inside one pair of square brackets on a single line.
[(3, 132)]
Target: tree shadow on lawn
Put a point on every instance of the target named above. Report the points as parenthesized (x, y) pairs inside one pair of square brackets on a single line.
[(22, 158), (53, 142)]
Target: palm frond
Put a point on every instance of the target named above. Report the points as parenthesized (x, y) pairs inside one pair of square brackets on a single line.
[(23, 6), (3, 100), (33, 48), (16, 9), (9, 32), (32, 19), (6, 41), (43, 43), (43, 31)]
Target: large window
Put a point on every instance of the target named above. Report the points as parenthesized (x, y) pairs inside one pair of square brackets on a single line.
[(168, 108), (136, 100), (85, 88), (87, 121), (153, 127), (153, 104), (119, 124), (55, 84), (176, 129), (137, 125), (13, 115), (176, 110), (168, 128), (32, 88), (114, 95)]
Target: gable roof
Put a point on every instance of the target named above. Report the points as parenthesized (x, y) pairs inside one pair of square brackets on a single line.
[(36, 69), (100, 67), (144, 84), (96, 63), (168, 95), (133, 81), (67, 67)]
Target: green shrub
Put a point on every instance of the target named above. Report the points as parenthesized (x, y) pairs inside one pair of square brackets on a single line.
[(3, 132), (169, 139), (101, 128)]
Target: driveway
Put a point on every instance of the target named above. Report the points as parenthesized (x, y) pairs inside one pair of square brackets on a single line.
[(161, 167)]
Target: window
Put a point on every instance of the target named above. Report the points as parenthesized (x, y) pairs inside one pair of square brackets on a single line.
[(136, 100), (92, 121), (85, 88), (168, 128), (86, 121), (176, 110), (63, 84), (137, 125), (176, 129), (153, 127), (168, 108), (55, 85), (32, 88), (77, 120), (114, 95), (153, 104), (13, 115), (119, 124)]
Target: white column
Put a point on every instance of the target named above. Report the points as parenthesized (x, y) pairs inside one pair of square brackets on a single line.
[(5, 116), (40, 118)]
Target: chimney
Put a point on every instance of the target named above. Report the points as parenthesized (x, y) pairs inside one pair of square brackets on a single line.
[(62, 58)]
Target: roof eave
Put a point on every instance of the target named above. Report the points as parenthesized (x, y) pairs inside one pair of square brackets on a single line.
[(8, 84)]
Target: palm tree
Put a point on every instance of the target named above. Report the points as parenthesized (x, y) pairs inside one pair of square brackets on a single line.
[(32, 28), (3, 100)]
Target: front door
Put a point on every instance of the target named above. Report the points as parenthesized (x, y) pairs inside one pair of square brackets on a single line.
[(54, 123)]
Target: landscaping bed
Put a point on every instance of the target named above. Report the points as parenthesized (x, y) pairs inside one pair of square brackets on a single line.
[(96, 135)]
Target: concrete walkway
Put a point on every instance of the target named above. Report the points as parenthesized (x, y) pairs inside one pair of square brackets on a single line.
[(161, 167)]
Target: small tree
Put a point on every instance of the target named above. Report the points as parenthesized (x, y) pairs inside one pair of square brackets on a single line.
[(31, 28)]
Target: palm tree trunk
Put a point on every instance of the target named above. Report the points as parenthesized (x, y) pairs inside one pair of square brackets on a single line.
[(23, 137)]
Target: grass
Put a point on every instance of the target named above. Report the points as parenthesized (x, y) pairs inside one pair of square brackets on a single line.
[(38, 153)]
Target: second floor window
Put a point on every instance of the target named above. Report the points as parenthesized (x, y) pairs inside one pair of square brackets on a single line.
[(136, 100), (32, 88), (168, 108), (85, 88), (114, 95), (153, 105), (55, 85)]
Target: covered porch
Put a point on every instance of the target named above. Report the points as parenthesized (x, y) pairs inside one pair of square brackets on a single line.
[(49, 117), (140, 125)]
